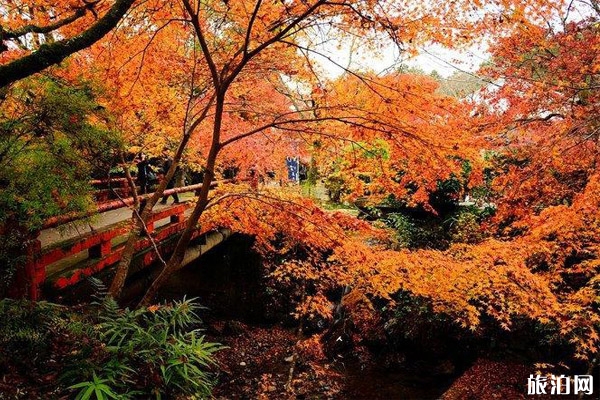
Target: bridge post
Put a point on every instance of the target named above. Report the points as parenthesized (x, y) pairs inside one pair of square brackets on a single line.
[(36, 273), (30, 274), (149, 227)]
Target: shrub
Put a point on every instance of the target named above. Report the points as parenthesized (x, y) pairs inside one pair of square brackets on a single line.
[(464, 228), (336, 187), (11, 257), (403, 226), (152, 351), (25, 330), (96, 387), (108, 352)]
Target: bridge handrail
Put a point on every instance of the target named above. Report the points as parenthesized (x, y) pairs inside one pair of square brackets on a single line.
[(116, 204), (109, 181)]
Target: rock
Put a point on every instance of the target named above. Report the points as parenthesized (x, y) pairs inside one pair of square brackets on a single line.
[(243, 364), (289, 359)]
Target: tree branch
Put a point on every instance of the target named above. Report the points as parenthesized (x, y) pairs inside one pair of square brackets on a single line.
[(203, 45), (17, 33), (52, 54), (250, 24)]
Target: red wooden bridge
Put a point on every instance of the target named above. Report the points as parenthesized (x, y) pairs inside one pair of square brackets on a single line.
[(59, 257)]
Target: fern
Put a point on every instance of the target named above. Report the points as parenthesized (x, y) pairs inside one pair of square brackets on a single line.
[(100, 289), (160, 339), (108, 306)]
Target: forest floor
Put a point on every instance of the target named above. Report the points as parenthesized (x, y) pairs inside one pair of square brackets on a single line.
[(261, 363), (266, 361)]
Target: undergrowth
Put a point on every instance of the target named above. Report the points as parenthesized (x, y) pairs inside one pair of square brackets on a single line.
[(108, 352)]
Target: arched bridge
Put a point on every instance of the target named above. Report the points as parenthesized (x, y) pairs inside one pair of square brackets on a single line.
[(65, 251)]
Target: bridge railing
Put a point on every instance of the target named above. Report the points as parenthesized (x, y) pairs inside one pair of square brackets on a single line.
[(101, 252), (98, 244), (120, 203), (44, 263), (112, 182), (109, 189)]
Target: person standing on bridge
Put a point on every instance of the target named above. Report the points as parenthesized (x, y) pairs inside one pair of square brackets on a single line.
[(171, 184), (143, 173)]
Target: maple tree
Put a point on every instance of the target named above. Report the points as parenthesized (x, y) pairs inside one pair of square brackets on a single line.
[(538, 118), (403, 137), (213, 82), (545, 186), (545, 113), (252, 33), (542, 125)]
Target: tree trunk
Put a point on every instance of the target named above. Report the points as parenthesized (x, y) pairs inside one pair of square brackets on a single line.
[(139, 220), (179, 252), (138, 223)]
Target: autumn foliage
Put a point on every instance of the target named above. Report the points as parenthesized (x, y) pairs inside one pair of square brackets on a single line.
[(234, 86)]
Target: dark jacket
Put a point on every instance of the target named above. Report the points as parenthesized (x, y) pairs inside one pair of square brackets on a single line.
[(165, 169)]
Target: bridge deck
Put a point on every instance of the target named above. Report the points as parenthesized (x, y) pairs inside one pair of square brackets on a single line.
[(76, 229)]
